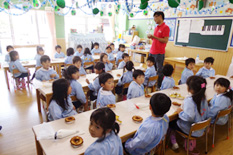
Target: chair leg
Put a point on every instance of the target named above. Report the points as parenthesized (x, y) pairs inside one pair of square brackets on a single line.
[(164, 145), (187, 144), (213, 135), (228, 128), (206, 141)]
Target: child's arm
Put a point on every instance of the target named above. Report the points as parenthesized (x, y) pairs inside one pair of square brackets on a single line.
[(38, 75), (188, 113), (55, 111), (54, 75), (7, 58), (20, 67), (130, 92), (110, 65), (121, 65), (199, 72), (79, 92)]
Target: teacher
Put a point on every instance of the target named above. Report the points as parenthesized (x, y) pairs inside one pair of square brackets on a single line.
[(160, 39)]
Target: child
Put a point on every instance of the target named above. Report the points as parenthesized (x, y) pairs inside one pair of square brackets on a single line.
[(188, 71), (77, 61), (79, 51), (96, 49), (60, 104), (107, 63), (87, 57), (7, 56), (195, 109), (104, 127), (125, 58), (95, 86), (150, 71), (110, 54), (136, 88), (105, 95), (120, 52), (40, 52), (72, 74), (45, 73), (153, 129), (15, 64), (70, 54), (59, 54), (113, 48), (221, 100), (168, 81), (207, 70)]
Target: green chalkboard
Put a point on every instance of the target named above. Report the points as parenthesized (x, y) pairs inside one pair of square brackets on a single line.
[(214, 42)]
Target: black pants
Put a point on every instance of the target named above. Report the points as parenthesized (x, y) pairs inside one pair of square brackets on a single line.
[(77, 104), (23, 75), (118, 90)]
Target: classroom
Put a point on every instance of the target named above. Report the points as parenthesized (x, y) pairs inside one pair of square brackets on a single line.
[(116, 77)]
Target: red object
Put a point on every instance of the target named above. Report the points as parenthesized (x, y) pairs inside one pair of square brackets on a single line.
[(136, 106), (161, 32), (212, 145)]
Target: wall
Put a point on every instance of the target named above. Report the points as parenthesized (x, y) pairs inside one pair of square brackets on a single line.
[(60, 31)]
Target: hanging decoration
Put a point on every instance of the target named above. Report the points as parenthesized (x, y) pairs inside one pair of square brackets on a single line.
[(6, 5), (174, 3), (143, 5), (145, 12), (101, 13), (61, 3), (117, 11), (131, 15), (231, 1), (73, 12), (110, 14), (36, 4), (200, 4), (95, 11)]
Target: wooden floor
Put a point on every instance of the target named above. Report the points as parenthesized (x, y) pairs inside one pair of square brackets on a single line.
[(18, 113)]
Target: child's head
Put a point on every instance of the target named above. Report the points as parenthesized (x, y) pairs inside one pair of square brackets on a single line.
[(197, 87), (150, 61), (96, 45), (160, 104), (14, 55), (129, 66), (138, 76), (125, 57), (208, 62), (77, 61), (112, 46), (103, 121), (70, 51), (221, 85), (106, 81), (72, 72), (79, 48), (87, 51), (58, 48), (108, 49), (99, 68), (45, 61), (168, 70), (103, 57), (190, 63), (121, 48), (61, 90), (40, 50), (9, 48)]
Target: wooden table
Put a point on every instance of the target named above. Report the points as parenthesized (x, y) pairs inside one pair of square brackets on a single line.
[(125, 110)]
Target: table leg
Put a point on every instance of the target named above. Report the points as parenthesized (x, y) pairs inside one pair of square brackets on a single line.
[(38, 147), (6, 77), (59, 70), (38, 100)]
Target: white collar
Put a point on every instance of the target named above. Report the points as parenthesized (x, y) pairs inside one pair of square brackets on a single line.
[(208, 69), (137, 84), (45, 69), (158, 118), (105, 92), (217, 95)]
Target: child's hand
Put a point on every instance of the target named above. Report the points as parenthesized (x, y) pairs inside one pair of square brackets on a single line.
[(88, 82), (179, 110), (53, 75)]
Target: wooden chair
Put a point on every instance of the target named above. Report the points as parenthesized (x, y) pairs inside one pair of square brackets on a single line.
[(222, 113), (88, 64), (153, 78), (160, 148), (114, 64), (119, 62), (15, 71), (195, 127)]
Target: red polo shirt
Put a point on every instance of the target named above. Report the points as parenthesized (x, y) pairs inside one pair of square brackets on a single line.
[(160, 31)]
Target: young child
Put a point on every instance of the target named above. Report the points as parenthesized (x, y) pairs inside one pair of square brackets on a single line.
[(150, 71), (95, 86), (45, 73), (59, 54), (107, 63), (121, 50), (60, 104), (96, 49), (79, 51), (77, 61), (221, 100), (195, 109), (136, 88), (70, 55), (105, 95), (104, 127), (153, 129), (7, 56), (40, 52), (15, 64), (207, 70), (188, 71), (109, 53), (87, 57), (72, 74), (113, 48), (125, 58), (168, 81)]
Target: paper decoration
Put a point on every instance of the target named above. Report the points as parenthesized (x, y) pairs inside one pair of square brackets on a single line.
[(143, 6), (174, 3), (6, 5), (145, 12), (101, 13), (73, 12), (200, 4), (61, 3), (110, 14), (131, 15), (231, 1), (95, 11)]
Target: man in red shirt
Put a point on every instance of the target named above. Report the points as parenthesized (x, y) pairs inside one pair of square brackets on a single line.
[(160, 39)]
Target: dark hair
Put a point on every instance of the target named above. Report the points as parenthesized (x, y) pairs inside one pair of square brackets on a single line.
[(58, 46), (87, 51), (44, 58), (124, 55), (38, 49), (188, 61), (121, 46), (67, 73), (103, 78), (168, 70), (225, 83), (100, 66), (159, 13), (209, 60), (129, 66), (151, 59), (195, 83), (60, 90), (70, 51), (160, 104), (13, 54), (96, 44), (76, 59), (108, 47), (102, 56), (79, 46), (112, 44), (105, 118), (137, 72), (8, 47)]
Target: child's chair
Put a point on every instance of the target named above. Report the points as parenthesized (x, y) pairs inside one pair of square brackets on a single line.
[(153, 78), (15, 71), (221, 114), (119, 62), (126, 85), (113, 62), (160, 148), (88, 64), (195, 127)]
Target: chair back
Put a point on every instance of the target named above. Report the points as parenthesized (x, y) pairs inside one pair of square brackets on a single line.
[(88, 63), (73, 98), (119, 61), (16, 71), (199, 126), (223, 113), (126, 85)]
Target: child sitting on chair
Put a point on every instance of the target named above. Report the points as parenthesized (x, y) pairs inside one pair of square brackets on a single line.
[(188, 71), (207, 70), (77, 61), (59, 53), (150, 71), (125, 58), (168, 81), (70, 55)]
